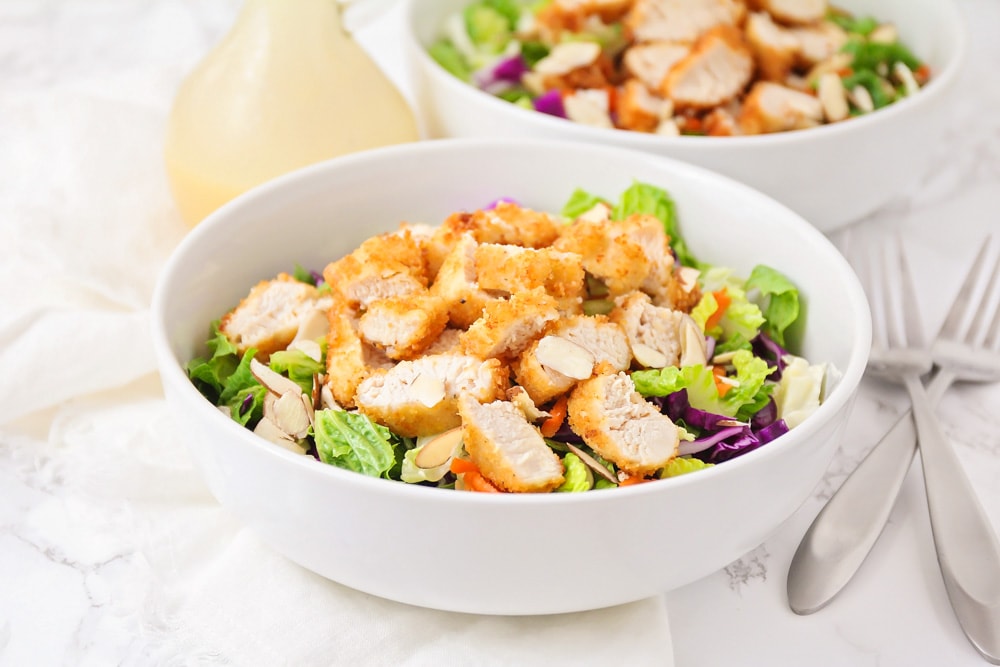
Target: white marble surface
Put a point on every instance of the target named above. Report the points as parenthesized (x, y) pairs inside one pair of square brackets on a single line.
[(76, 578)]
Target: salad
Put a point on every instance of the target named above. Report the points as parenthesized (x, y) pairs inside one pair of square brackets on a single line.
[(681, 67), (511, 350)]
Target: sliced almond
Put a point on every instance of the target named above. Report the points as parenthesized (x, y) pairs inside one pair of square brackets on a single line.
[(326, 399), (723, 358), (648, 356), (600, 212), (833, 97), (439, 449), (668, 128), (693, 347), (862, 99), (884, 34), (276, 383), (291, 414), (270, 431), (688, 276), (428, 389), (310, 348), (269, 401), (314, 324), (903, 74), (568, 56), (565, 356), (592, 463), (520, 398)]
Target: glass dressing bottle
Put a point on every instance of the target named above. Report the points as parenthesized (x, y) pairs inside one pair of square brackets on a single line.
[(286, 87)]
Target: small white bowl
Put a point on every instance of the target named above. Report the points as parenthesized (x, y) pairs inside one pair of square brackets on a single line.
[(509, 554), (832, 175)]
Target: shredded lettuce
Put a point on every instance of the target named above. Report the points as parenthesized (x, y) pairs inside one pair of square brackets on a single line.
[(798, 393), (742, 318), (210, 374), (411, 473), (680, 465), (448, 57), (240, 385), (868, 55), (860, 25), (578, 475), (780, 300), (488, 28), (298, 366), (353, 441)]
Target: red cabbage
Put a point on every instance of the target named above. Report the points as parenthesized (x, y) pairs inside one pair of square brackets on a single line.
[(550, 103), (765, 416), (772, 431), (496, 202), (771, 352), (510, 69)]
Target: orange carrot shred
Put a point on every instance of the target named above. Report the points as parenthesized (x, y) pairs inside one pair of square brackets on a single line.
[(721, 386), (474, 481), (723, 300), (461, 466), (632, 480), (551, 425)]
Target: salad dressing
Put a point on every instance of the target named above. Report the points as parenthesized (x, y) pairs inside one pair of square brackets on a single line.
[(286, 87)]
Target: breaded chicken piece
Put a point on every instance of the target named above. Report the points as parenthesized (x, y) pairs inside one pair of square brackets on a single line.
[(603, 340), (771, 107), (680, 20), (620, 425), (420, 397), (607, 10), (387, 265), (269, 316), (793, 12), (589, 107), (650, 62), (716, 70), (651, 327), (774, 48), (349, 360), (511, 269), (817, 43), (640, 110), (572, 66), (509, 325), (404, 326), (508, 223), (647, 232), (607, 254), (456, 283), (447, 342), (508, 450), (720, 122)]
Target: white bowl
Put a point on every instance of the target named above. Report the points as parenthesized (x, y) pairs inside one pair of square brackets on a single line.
[(832, 175), (509, 554)]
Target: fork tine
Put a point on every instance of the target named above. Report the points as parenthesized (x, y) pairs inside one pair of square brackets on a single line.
[(912, 324), (983, 316), (967, 300)]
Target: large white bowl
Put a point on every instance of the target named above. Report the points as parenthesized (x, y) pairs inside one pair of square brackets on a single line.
[(510, 554), (832, 175)]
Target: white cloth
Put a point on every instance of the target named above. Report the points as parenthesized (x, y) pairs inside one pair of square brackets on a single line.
[(103, 485)]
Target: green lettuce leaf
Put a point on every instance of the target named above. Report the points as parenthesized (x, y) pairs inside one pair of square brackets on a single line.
[(651, 200), (579, 203), (681, 465), (488, 29), (240, 384), (298, 366), (662, 382), (742, 318), (209, 375), (448, 57), (578, 475), (509, 9), (353, 441), (780, 300)]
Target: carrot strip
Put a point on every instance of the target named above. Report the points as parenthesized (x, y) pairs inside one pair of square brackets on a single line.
[(462, 466), (720, 386), (723, 300), (474, 481), (551, 425), (632, 480)]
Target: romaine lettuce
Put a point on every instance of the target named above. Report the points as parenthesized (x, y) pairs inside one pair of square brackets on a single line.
[(578, 475), (298, 366), (353, 441), (780, 297)]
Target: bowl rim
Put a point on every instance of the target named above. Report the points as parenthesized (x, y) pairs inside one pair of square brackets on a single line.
[(939, 85), (172, 373)]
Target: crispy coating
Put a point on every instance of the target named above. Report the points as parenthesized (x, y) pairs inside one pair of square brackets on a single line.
[(650, 62), (349, 360), (771, 107), (792, 12), (404, 326), (268, 317), (513, 269), (649, 325), (774, 48), (620, 425), (456, 283), (509, 325), (608, 255), (680, 20), (403, 397), (387, 265), (640, 110), (508, 450)]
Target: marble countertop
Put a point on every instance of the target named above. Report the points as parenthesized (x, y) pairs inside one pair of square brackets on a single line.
[(63, 562)]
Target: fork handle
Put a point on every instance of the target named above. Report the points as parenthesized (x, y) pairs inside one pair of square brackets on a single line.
[(846, 529), (967, 547)]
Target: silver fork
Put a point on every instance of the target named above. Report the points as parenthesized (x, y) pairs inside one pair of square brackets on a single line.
[(841, 536)]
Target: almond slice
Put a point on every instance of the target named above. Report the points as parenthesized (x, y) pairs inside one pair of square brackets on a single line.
[(326, 399), (291, 414), (688, 276), (568, 56), (310, 348), (275, 383), (592, 463), (833, 97), (314, 324), (648, 356), (565, 356), (693, 347), (519, 397), (438, 449), (270, 431)]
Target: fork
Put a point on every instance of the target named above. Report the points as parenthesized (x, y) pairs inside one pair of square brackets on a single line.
[(843, 533)]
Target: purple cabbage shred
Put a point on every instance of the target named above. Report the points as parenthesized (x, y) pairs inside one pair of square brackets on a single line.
[(771, 352), (502, 200), (510, 69), (550, 103)]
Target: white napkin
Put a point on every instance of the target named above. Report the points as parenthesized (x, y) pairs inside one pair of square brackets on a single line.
[(93, 474)]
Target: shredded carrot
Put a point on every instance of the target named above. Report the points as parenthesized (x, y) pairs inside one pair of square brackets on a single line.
[(551, 425), (632, 480), (461, 466), (923, 73), (845, 72), (723, 301), (612, 98), (722, 387), (692, 124), (474, 481)]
